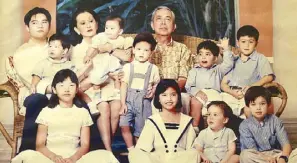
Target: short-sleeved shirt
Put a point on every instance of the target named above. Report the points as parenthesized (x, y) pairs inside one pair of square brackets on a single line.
[(173, 60), (215, 144), (262, 136), (118, 43), (248, 72), (141, 68), (200, 78), (64, 128), (47, 68)]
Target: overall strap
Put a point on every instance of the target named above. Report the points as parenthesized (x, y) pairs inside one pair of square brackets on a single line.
[(162, 136), (185, 129), (131, 74), (147, 77)]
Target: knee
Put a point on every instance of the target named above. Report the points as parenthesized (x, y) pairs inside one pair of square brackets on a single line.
[(104, 109), (36, 100)]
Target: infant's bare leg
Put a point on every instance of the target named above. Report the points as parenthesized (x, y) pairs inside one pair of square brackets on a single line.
[(85, 84), (103, 124)]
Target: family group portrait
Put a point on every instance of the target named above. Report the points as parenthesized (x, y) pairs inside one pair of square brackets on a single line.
[(146, 81)]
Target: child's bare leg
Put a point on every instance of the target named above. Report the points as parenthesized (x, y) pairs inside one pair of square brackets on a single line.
[(195, 111), (115, 107), (103, 124), (48, 89), (85, 84), (234, 159), (127, 136)]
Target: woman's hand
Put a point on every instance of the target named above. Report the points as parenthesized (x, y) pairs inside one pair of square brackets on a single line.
[(69, 160), (87, 59), (57, 159)]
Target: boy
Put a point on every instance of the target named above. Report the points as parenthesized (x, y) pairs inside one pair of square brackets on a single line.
[(104, 63), (217, 142), (139, 75), (250, 69), (204, 80), (262, 133), (46, 69)]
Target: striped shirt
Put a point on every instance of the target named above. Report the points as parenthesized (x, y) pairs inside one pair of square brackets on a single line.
[(262, 136)]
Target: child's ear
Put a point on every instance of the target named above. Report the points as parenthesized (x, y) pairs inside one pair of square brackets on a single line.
[(27, 28), (121, 31), (226, 120), (216, 59), (152, 25), (76, 30), (65, 51)]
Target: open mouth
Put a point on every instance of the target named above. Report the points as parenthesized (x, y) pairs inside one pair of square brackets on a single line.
[(204, 62), (90, 30)]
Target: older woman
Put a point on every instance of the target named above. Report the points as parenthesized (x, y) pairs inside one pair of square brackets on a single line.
[(85, 25)]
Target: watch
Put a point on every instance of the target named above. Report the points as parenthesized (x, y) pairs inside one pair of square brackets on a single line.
[(111, 51), (285, 158)]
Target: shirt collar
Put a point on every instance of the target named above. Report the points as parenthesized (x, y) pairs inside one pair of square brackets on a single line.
[(54, 61), (198, 66), (215, 134), (253, 56), (168, 44), (260, 124), (137, 62)]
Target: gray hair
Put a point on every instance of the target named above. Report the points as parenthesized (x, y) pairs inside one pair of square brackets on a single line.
[(163, 7)]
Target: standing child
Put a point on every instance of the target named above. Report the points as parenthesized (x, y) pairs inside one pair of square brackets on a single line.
[(204, 80), (262, 135), (167, 137), (217, 142), (105, 44), (63, 132), (250, 69), (139, 75)]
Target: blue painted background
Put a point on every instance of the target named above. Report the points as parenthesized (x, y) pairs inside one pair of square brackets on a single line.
[(211, 19)]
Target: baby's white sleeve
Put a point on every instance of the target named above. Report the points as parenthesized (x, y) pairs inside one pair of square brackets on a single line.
[(87, 120)]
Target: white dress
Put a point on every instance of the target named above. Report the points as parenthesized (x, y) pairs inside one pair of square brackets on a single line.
[(64, 130), (157, 145)]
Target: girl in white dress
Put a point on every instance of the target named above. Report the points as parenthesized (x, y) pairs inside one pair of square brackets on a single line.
[(63, 134), (167, 137)]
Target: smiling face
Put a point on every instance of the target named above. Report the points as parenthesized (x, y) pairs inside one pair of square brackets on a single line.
[(259, 108), (168, 99), (65, 91), (56, 51), (86, 25), (247, 45), (163, 22), (38, 26), (113, 29), (216, 120), (205, 58), (142, 51)]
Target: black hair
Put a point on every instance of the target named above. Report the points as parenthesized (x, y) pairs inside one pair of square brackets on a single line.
[(35, 11), (209, 45), (163, 85), (257, 91), (60, 38), (116, 18), (59, 77), (145, 37), (248, 30), (73, 24), (227, 111)]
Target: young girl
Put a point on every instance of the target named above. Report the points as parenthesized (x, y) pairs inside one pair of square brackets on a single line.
[(167, 137), (63, 132), (217, 143)]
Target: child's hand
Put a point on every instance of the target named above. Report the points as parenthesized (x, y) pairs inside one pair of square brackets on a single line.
[(224, 44), (270, 159), (124, 109), (113, 75), (33, 89), (202, 96), (87, 59), (105, 48)]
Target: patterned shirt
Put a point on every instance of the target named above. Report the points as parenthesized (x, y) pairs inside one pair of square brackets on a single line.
[(173, 60), (262, 136)]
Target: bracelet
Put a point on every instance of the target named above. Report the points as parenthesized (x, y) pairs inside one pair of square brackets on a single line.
[(111, 51)]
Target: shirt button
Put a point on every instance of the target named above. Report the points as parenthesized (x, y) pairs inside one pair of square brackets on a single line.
[(167, 151), (175, 150), (166, 146)]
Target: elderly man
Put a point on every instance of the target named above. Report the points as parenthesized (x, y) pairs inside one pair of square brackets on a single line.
[(173, 58)]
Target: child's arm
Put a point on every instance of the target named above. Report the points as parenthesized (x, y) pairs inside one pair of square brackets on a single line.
[(35, 80), (123, 93), (261, 82), (231, 151), (200, 151), (228, 57), (91, 53), (190, 85), (226, 88), (84, 144), (41, 147)]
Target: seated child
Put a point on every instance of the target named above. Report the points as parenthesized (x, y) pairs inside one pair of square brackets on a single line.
[(105, 44), (139, 75), (45, 70), (205, 79), (217, 142), (167, 137), (262, 134), (250, 69), (64, 128)]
